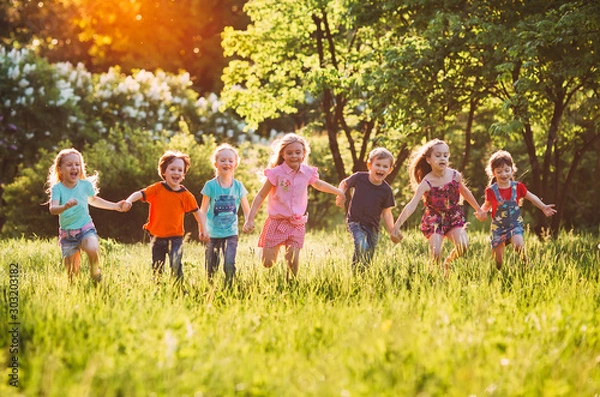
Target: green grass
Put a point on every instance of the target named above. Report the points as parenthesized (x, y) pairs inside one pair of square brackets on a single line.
[(396, 330)]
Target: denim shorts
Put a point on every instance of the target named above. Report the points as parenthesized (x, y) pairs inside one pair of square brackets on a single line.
[(70, 239)]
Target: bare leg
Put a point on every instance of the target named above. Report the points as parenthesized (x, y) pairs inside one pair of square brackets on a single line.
[(72, 264), (519, 244), (292, 256), (459, 238), (269, 256), (498, 254), (92, 248), (435, 246)]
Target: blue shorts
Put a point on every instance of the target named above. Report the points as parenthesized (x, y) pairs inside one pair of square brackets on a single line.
[(71, 239)]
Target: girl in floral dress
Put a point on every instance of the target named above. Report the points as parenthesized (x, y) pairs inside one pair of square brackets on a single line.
[(442, 188)]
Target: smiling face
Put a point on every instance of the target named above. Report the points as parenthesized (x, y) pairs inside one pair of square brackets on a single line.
[(175, 173), (226, 162), (70, 169), (503, 174), (379, 169), (293, 155), (439, 158)]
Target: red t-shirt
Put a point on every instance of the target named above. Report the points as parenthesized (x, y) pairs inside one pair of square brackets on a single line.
[(167, 209), (505, 194)]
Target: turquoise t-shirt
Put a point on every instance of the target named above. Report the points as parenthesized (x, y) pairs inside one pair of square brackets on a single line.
[(79, 215), (222, 219)]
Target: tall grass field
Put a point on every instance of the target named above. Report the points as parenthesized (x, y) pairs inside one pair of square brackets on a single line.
[(399, 329)]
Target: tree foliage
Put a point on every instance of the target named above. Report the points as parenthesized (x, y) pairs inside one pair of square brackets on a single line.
[(521, 76)]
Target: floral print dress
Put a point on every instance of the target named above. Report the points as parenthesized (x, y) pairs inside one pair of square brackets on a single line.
[(443, 211)]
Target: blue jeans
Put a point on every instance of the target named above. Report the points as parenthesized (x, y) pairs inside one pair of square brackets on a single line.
[(227, 248), (163, 246), (365, 240)]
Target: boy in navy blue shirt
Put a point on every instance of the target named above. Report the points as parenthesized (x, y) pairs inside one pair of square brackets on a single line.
[(371, 200)]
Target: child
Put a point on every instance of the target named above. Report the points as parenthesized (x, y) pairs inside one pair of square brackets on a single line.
[(504, 197), (371, 200), (70, 193), (441, 188), (169, 202), (288, 178), (220, 203)]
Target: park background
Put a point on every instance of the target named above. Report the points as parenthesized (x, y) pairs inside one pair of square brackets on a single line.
[(123, 81)]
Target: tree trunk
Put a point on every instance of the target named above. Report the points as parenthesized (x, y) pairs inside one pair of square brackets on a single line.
[(468, 132)]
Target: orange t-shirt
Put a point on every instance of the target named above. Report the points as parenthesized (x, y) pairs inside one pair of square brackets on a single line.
[(167, 209)]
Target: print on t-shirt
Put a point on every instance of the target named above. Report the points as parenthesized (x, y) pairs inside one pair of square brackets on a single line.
[(224, 211)]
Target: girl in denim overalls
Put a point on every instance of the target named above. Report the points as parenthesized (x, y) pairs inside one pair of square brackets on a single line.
[(70, 193), (503, 197)]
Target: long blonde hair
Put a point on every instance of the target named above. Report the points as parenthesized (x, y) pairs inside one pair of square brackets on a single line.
[(54, 176), (418, 166), (279, 145)]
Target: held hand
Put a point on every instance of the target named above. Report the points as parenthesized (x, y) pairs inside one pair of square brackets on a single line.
[(248, 227), (124, 206), (203, 236), (340, 200), (396, 236), (481, 215), (549, 210)]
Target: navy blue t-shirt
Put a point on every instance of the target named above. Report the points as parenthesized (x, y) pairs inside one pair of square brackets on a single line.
[(368, 200)]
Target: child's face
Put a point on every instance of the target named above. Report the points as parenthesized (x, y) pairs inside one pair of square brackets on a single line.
[(293, 155), (226, 162), (379, 169), (175, 174), (503, 174), (439, 157), (70, 169)]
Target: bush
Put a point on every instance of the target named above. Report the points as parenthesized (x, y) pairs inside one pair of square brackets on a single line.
[(126, 161)]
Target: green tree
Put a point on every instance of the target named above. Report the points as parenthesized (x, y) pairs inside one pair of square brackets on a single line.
[(422, 69), (306, 58)]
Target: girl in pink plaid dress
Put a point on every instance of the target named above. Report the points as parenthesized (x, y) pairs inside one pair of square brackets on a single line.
[(287, 179), (441, 188)]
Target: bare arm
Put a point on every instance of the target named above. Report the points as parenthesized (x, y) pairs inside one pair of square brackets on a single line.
[(547, 209), (133, 197), (245, 207), (56, 209), (486, 207), (466, 193), (203, 233), (388, 219), (256, 203), (340, 199), (99, 202), (409, 208), (325, 187)]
